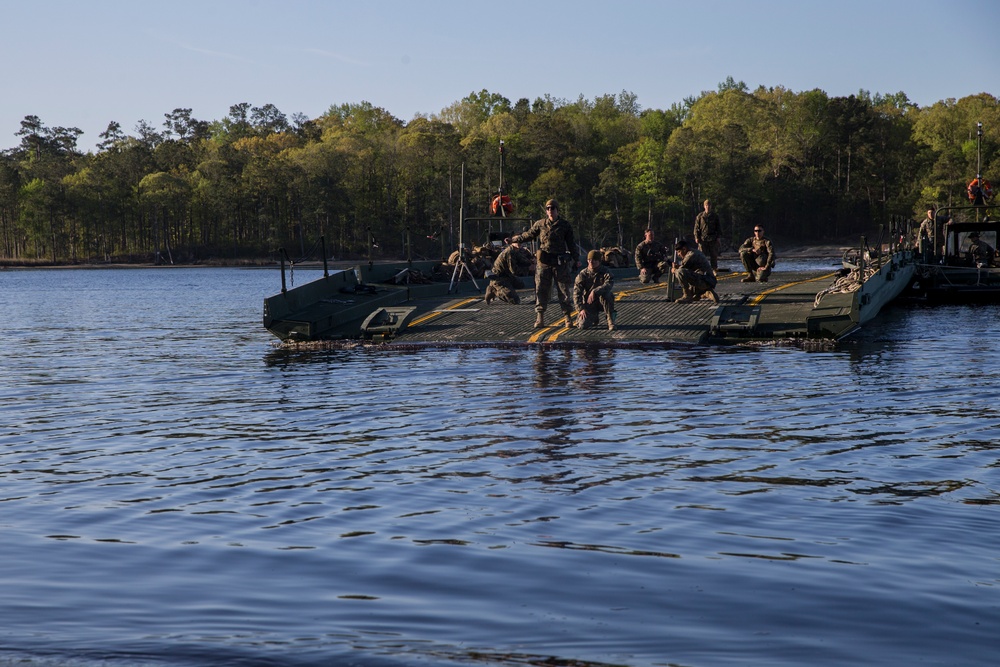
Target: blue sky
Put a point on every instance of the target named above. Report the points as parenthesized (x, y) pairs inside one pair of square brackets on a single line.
[(83, 63)]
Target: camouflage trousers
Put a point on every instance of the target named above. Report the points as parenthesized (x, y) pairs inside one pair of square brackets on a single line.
[(504, 288), (926, 248), (694, 283), (602, 304), (755, 265), (650, 273), (562, 276)]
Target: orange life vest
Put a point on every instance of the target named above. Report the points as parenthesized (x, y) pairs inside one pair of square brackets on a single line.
[(501, 201), (977, 186)]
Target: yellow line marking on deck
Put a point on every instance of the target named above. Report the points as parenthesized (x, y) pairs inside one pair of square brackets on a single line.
[(533, 338), (431, 315), (562, 330), (760, 297), (639, 290)]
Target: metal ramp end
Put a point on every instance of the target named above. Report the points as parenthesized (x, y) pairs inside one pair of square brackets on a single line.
[(386, 322)]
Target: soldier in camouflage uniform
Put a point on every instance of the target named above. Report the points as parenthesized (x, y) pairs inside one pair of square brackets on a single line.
[(981, 253), (593, 292), (708, 233), (925, 237), (693, 272), (557, 257), (650, 259), (757, 255), (512, 262)]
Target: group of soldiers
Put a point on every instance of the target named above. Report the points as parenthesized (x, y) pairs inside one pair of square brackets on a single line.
[(590, 293)]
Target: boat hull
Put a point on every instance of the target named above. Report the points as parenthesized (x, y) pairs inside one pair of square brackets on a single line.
[(334, 306), (940, 284), (838, 315)]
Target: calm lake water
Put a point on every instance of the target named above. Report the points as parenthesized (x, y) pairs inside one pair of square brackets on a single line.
[(176, 490)]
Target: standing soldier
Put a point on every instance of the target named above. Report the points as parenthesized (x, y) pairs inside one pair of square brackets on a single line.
[(929, 234), (557, 257), (504, 283), (650, 259), (925, 237), (757, 255), (708, 233), (593, 292)]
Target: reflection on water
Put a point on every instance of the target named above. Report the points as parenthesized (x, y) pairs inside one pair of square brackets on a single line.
[(176, 489)]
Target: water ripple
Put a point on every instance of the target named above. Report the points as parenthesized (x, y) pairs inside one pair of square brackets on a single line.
[(177, 488)]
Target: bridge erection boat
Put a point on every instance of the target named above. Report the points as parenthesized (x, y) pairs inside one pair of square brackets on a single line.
[(957, 272), (958, 248)]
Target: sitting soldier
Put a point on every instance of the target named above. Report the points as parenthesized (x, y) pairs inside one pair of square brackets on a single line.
[(593, 292), (980, 253), (650, 259)]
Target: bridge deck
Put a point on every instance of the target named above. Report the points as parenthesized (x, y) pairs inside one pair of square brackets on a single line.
[(647, 315)]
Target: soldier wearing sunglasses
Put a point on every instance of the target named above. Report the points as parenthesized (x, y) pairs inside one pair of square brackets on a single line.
[(557, 258), (757, 255)]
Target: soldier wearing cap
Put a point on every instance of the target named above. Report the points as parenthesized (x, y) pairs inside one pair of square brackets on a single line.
[(593, 292), (650, 258), (980, 252), (513, 261), (557, 256), (708, 233), (693, 272)]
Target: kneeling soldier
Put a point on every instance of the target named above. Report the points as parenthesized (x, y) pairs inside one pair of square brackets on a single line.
[(757, 255), (694, 274), (651, 259), (504, 283)]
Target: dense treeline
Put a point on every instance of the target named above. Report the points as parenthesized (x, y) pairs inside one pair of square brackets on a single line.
[(810, 167)]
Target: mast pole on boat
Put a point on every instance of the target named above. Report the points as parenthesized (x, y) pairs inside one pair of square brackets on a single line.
[(461, 209), (451, 216), (979, 151), (503, 211), (981, 197)]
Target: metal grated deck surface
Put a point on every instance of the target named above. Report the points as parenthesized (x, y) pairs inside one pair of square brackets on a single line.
[(646, 315)]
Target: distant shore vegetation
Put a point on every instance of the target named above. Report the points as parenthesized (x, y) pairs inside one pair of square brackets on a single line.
[(809, 167)]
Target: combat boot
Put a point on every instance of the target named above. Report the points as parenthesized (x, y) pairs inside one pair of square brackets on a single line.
[(569, 321), (539, 321)]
